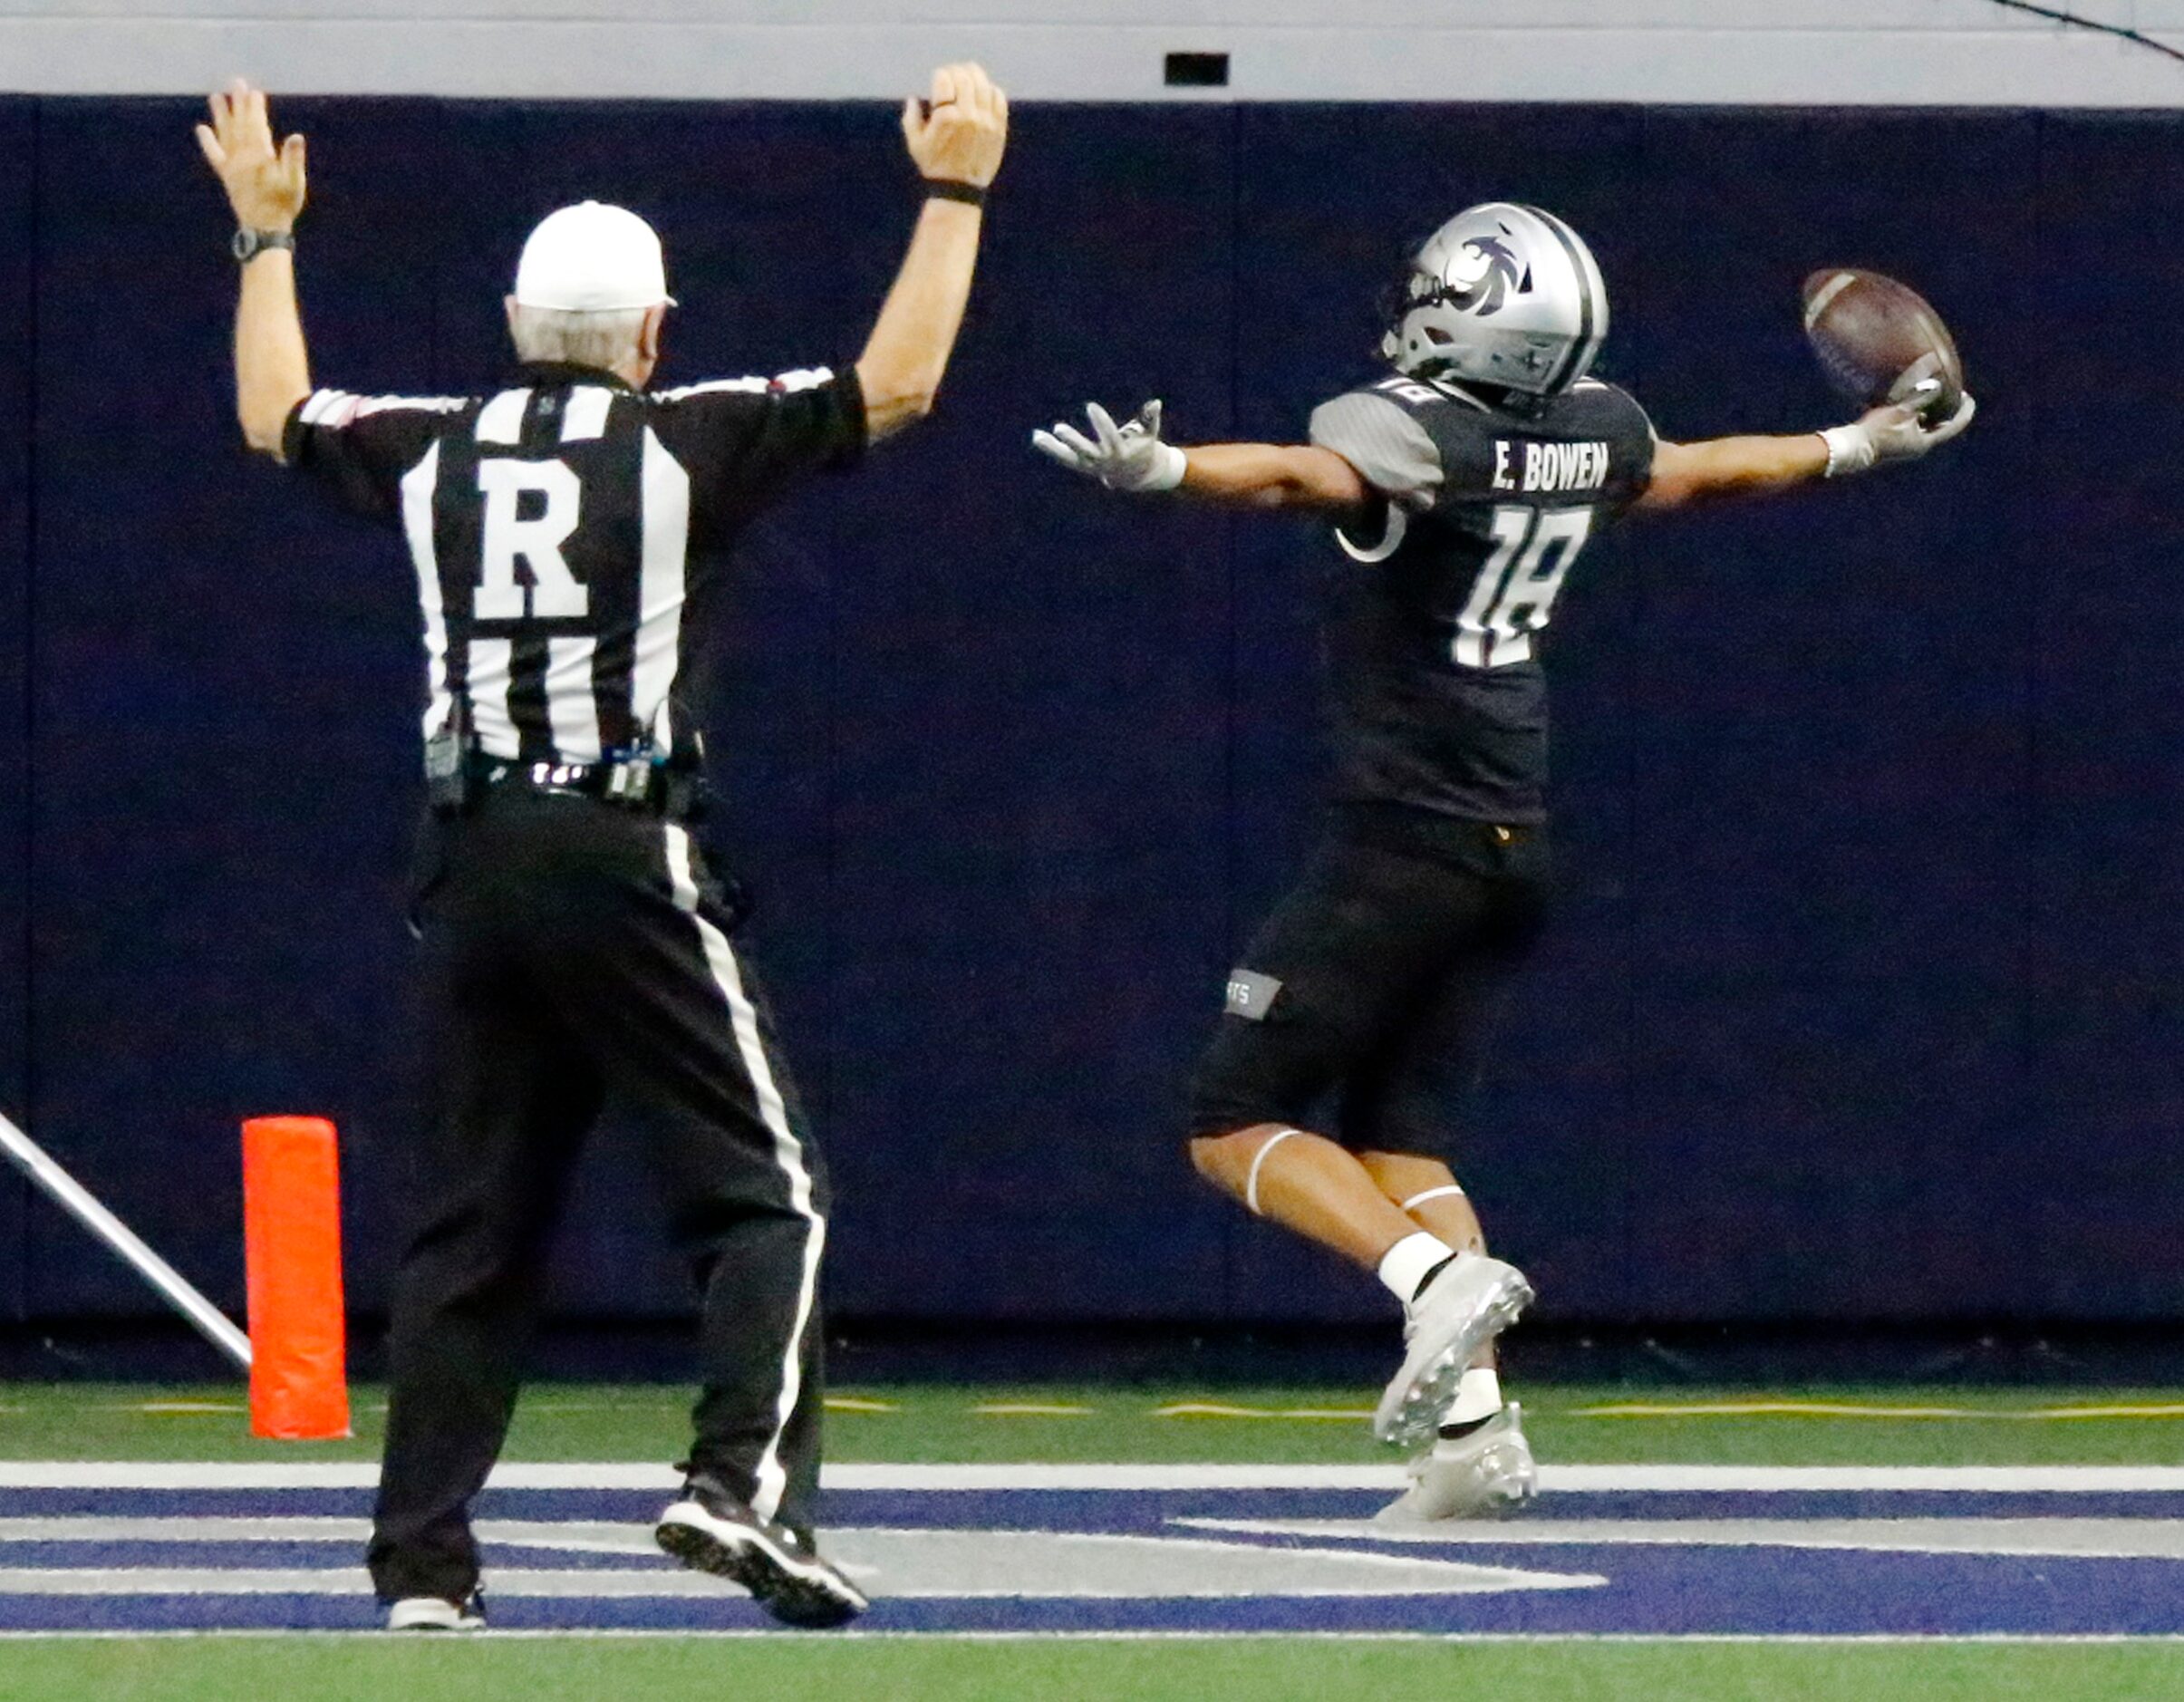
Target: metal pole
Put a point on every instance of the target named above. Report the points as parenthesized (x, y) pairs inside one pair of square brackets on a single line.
[(212, 1323)]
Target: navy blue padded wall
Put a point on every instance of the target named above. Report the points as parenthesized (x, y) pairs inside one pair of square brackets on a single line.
[(2107, 830), (18, 143), (223, 693), (1830, 737), (1331, 202), (1868, 801), (857, 604), (1030, 765)]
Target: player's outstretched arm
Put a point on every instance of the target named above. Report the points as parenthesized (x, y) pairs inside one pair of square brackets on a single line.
[(956, 139), (1296, 475), (265, 185), (1684, 473)]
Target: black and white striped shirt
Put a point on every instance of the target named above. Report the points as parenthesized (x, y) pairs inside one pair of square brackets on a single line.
[(561, 530)]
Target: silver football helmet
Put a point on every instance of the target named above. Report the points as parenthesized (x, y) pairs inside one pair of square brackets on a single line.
[(1501, 295)]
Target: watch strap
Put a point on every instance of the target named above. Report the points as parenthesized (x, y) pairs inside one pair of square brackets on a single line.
[(954, 190), (248, 244)]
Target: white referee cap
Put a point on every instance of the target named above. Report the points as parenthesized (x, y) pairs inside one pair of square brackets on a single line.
[(592, 258)]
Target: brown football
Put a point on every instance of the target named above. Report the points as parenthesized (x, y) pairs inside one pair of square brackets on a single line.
[(1878, 338)]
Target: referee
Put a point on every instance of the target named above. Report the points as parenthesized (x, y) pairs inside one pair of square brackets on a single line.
[(568, 530)]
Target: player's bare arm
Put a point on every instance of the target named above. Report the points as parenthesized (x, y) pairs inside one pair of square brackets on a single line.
[(1883, 347), (265, 185), (956, 139), (1301, 477), (1719, 467)]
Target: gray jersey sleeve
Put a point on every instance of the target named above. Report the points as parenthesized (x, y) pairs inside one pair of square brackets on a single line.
[(1390, 450)]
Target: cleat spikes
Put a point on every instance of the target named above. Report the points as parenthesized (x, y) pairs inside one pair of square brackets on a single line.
[(1471, 1302)]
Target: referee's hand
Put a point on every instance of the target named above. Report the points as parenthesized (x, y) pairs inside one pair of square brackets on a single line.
[(265, 185), (957, 135)]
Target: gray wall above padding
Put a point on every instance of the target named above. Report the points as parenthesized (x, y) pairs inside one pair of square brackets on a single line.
[(1946, 52)]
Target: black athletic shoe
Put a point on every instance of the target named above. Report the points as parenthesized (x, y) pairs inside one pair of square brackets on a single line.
[(711, 1531)]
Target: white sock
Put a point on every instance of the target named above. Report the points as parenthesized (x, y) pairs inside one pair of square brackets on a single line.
[(1478, 1396), (1404, 1265)]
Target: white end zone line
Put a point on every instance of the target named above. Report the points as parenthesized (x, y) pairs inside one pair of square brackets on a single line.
[(153, 1475), (498, 1635)]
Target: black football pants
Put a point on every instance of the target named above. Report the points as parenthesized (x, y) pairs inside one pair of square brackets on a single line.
[(574, 952), (1376, 982)]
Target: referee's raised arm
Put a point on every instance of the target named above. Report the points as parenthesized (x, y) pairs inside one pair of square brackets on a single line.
[(265, 185), (956, 139)]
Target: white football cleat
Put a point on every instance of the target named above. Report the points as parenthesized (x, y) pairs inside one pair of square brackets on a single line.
[(437, 1613), (1473, 1300), (1486, 1475)]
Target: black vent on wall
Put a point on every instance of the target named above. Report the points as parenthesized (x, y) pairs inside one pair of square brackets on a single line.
[(1198, 71)]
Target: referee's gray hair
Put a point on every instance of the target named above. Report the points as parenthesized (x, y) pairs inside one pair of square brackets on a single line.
[(575, 339)]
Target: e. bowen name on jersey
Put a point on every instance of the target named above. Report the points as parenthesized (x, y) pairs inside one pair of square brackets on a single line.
[(1551, 466)]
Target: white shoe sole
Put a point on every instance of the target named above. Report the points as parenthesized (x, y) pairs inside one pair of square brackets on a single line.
[(429, 1613), (1410, 1408), (1488, 1474), (1425, 1502), (1413, 1511)]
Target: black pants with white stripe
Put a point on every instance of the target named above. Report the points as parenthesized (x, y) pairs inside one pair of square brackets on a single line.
[(577, 951)]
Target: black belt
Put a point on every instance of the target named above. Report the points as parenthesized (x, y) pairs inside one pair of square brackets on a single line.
[(635, 783), (638, 782)]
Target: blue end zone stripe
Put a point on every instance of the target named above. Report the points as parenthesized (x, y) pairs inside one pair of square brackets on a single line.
[(1541, 1586)]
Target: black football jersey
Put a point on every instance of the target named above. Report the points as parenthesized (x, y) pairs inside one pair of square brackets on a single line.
[(1439, 700), (566, 529)]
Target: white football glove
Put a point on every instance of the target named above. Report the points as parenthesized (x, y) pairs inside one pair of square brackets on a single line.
[(1893, 434), (1123, 458)]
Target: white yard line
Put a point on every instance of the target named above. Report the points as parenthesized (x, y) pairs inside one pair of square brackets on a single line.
[(1886, 1640), (1005, 1566), (1961, 1479), (2056, 1537), (1557, 1479)]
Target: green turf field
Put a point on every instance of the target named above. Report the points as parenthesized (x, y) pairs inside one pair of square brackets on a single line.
[(1281, 1669), (928, 1425)]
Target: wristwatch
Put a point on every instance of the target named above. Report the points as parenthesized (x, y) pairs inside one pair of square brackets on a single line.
[(249, 244)]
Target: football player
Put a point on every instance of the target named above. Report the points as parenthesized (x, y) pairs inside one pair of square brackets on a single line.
[(1464, 486)]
